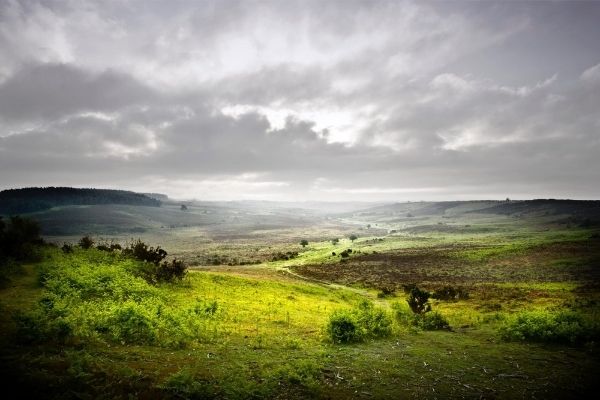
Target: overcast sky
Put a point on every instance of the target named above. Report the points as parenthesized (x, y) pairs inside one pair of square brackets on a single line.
[(284, 100)]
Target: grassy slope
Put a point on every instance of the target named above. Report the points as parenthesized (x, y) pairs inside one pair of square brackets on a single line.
[(268, 342)]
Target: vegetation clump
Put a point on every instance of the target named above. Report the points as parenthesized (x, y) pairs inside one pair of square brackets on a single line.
[(421, 316), (567, 327), (86, 242), (288, 255), (450, 293), (418, 301), (361, 323)]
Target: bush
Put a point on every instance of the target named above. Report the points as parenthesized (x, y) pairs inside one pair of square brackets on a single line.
[(431, 321), (450, 293), (343, 327), (418, 300), (86, 242), (569, 327), (155, 271), (375, 322), (67, 248), (141, 252), (363, 322)]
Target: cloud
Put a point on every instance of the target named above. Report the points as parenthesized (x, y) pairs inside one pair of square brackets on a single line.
[(53, 91), (287, 100)]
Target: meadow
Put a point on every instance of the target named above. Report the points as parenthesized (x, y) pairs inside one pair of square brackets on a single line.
[(514, 304)]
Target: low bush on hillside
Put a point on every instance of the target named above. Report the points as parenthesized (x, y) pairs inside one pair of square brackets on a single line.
[(418, 300), (568, 327), (86, 242), (361, 323), (450, 293), (430, 321)]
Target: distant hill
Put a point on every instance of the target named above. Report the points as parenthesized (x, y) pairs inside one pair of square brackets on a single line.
[(577, 210), (17, 201)]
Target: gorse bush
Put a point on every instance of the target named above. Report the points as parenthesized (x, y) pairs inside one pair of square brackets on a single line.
[(570, 327), (363, 322)]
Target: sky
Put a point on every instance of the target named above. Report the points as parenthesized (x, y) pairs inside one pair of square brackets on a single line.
[(303, 100)]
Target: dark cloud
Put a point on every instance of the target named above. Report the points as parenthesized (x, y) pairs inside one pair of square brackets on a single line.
[(51, 91)]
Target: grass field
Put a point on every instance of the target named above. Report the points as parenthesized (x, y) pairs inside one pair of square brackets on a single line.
[(248, 323)]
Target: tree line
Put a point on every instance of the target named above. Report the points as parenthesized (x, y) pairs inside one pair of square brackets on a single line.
[(17, 201)]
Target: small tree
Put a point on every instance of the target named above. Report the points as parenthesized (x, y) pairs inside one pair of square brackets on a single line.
[(335, 241), (353, 237), (304, 242), (183, 207), (418, 300)]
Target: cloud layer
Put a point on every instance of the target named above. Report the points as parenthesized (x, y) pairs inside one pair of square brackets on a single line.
[(302, 100)]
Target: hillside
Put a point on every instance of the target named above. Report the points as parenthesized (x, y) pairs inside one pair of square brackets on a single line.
[(25, 200)]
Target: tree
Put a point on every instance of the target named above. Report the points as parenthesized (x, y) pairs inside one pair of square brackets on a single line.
[(183, 207), (304, 242), (335, 241), (353, 237)]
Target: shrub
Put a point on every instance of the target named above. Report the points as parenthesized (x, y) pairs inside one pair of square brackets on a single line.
[(171, 271), (86, 242), (141, 252), (363, 322), (418, 300), (67, 248), (375, 322), (153, 270), (543, 326), (343, 327), (450, 293), (431, 321)]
